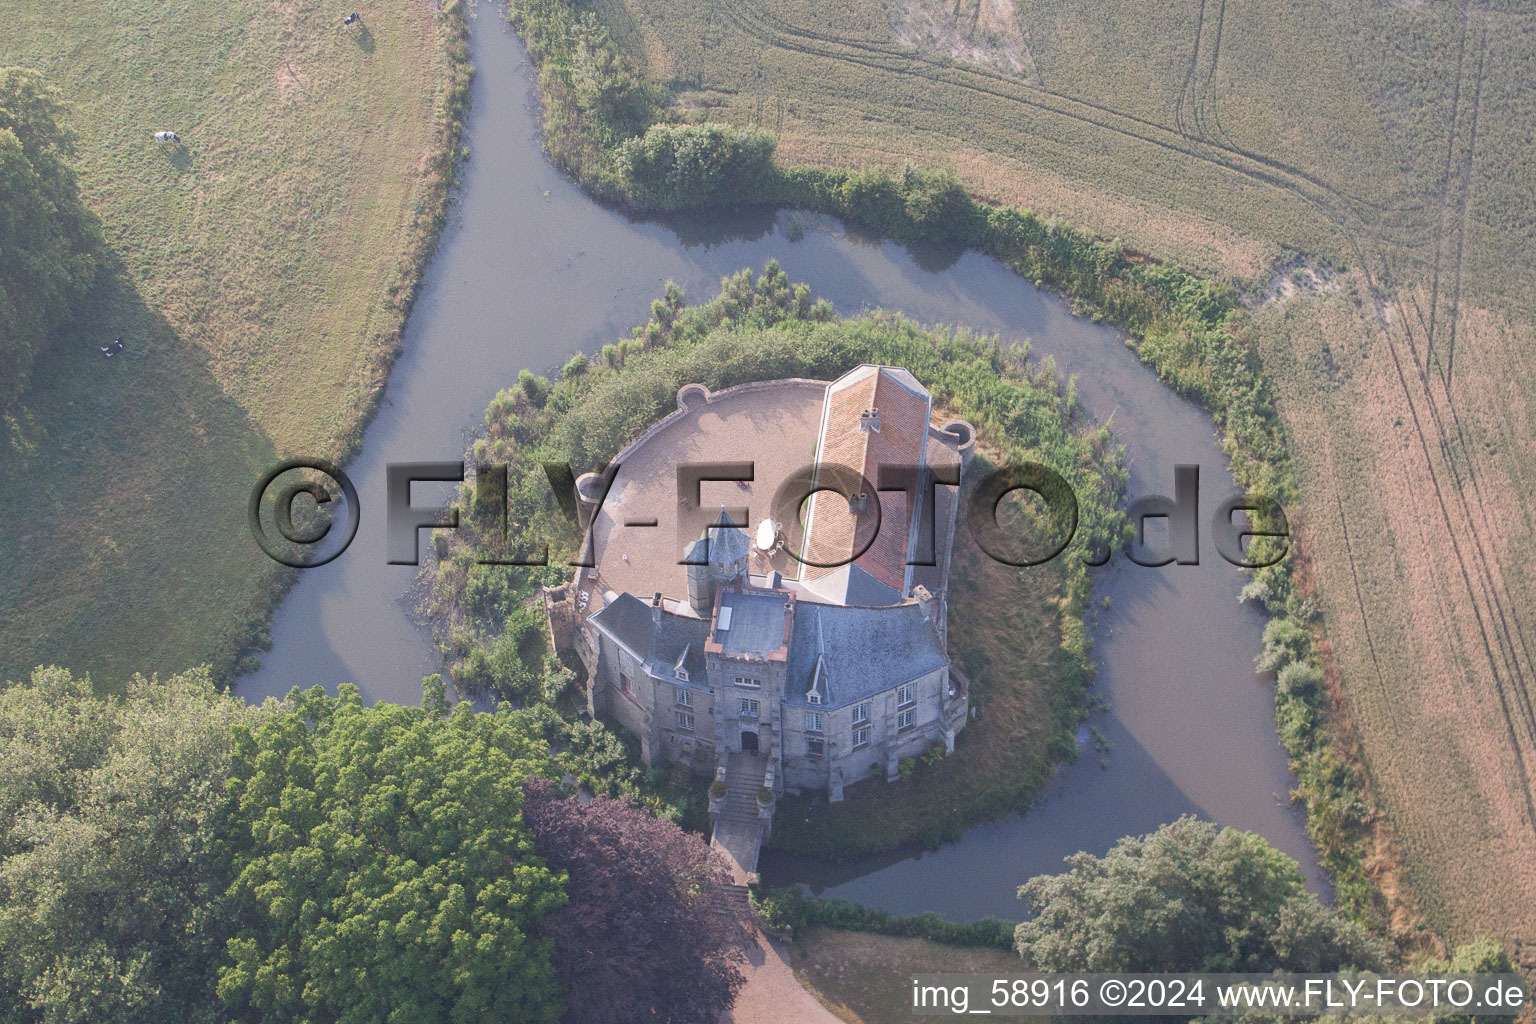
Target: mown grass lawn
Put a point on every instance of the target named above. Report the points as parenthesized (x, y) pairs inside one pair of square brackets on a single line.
[(256, 274), (867, 979)]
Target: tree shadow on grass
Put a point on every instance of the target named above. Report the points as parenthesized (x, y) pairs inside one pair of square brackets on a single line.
[(122, 502)]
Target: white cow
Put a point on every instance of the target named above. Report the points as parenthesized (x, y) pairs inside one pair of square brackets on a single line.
[(167, 137)]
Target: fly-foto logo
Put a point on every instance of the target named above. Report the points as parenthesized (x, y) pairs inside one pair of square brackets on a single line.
[(305, 512)]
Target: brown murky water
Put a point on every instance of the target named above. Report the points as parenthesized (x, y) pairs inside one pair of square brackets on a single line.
[(531, 271)]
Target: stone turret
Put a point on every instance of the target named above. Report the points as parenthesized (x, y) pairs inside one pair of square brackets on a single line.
[(962, 437), (589, 495), (718, 557)]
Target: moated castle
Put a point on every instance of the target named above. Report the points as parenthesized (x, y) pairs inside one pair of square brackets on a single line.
[(778, 664)]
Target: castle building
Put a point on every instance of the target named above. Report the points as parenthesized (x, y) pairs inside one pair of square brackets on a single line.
[(822, 661)]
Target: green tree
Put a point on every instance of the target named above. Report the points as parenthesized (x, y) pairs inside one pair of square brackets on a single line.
[(637, 942), (48, 239), (112, 873), (384, 871), (1480, 956), (673, 166), (1188, 897)]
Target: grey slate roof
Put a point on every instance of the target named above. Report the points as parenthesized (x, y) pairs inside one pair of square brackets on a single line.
[(681, 640), (756, 622), (628, 620), (852, 585), (861, 651), (726, 543)]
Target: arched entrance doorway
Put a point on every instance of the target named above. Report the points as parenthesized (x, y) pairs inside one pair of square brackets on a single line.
[(748, 742)]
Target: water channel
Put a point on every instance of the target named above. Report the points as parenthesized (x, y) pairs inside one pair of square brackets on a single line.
[(530, 270)]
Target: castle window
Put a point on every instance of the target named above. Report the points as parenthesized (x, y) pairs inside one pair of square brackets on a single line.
[(749, 682), (748, 708), (861, 736), (624, 683), (815, 746), (685, 721), (905, 720), (813, 721), (861, 713), (684, 697), (906, 694)]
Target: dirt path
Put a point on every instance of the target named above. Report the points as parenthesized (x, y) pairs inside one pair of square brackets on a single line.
[(771, 994)]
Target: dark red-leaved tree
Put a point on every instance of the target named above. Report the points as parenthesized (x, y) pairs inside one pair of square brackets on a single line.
[(638, 940)]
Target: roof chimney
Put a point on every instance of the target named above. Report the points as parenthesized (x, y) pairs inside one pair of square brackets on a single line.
[(925, 601), (656, 608), (869, 420)]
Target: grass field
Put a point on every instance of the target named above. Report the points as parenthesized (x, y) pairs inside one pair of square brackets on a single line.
[(258, 274), (864, 978), (1368, 165)]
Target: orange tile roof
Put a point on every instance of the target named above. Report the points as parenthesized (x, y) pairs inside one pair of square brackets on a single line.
[(832, 533)]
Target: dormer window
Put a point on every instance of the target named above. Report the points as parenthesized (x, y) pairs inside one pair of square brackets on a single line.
[(682, 673), (815, 693)]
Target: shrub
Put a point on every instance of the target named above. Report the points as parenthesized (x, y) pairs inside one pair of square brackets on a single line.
[(673, 166)]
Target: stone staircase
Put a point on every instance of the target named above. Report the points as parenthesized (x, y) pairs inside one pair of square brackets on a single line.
[(738, 831), (730, 901)]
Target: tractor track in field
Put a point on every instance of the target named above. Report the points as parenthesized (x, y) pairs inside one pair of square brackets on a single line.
[(1454, 314), (1198, 92), (1365, 621), (1513, 640), (1187, 89), (1339, 208), (1501, 634), (1445, 176), (1210, 77), (1494, 631)]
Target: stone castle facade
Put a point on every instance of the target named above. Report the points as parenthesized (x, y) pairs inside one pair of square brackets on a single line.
[(824, 658)]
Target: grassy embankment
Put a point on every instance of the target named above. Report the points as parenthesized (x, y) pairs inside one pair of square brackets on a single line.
[(864, 978), (1268, 145), (1028, 681), (1192, 330), (258, 273)]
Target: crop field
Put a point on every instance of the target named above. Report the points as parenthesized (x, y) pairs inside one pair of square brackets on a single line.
[(256, 273), (1361, 171)]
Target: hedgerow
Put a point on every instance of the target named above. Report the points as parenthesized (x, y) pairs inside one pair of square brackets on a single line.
[(790, 908)]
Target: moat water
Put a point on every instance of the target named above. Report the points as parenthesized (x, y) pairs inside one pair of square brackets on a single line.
[(531, 270)]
